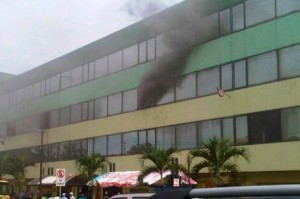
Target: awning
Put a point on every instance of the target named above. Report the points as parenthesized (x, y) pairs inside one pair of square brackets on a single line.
[(130, 178), (118, 179), (155, 177), (71, 179)]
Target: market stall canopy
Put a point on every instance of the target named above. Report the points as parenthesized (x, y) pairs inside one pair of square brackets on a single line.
[(118, 179), (155, 177), (71, 179), (130, 178)]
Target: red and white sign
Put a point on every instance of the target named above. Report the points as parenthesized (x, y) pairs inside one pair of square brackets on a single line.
[(60, 177)]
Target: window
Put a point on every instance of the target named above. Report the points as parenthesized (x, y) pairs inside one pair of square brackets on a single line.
[(130, 100), (92, 70), (76, 113), (225, 22), (115, 104), (101, 107), (142, 52), (241, 126), (36, 90), (28, 93), (151, 49), (264, 127), (85, 73), (90, 146), (101, 67), (20, 96), (115, 62), (48, 86), (76, 77), (54, 118), (240, 79), (238, 19), (290, 125), (85, 111), (289, 62), (91, 110), (285, 7), (52, 152), (165, 137), (100, 145), (43, 88), (208, 81), (130, 143), (75, 149), (114, 145), (208, 28), (262, 68), (65, 79), (130, 56), (168, 97), (65, 116), (258, 11), (208, 129), (186, 136), (228, 129), (226, 77), (55, 83), (64, 151), (151, 137), (186, 87), (163, 44)]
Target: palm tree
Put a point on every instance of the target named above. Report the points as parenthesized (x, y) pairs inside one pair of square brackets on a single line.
[(16, 167), (219, 156), (89, 165), (161, 161)]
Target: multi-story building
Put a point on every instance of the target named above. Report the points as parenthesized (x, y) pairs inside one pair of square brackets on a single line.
[(156, 82)]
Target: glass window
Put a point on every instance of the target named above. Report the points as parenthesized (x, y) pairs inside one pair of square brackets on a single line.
[(241, 128), (225, 22), (290, 125), (100, 107), (142, 52), (287, 6), (92, 70), (130, 56), (65, 79), (76, 113), (28, 93), (186, 136), (43, 88), (114, 145), (64, 116), (186, 87), (151, 137), (226, 77), (262, 68), (130, 100), (208, 28), (208, 81), (20, 96), (90, 146), (238, 21), (100, 145), (209, 129), (115, 62), (115, 104), (55, 83), (37, 90), (76, 76), (101, 67), (165, 137), (85, 73), (258, 11), (163, 44), (289, 62), (91, 110), (31, 124), (130, 143), (84, 147), (151, 49), (64, 151), (48, 86), (75, 149), (240, 74), (227, 129), (85, 110), (52, 152), (142, 137), (168, 97), (54, 118)]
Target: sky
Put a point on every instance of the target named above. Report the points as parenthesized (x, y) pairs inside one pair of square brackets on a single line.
[(34, 32)]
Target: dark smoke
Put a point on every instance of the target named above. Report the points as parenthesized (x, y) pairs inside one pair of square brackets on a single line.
[(162, 75), (143, 8)]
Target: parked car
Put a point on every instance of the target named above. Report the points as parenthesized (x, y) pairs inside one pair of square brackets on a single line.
[(133, 196), (249, 192)]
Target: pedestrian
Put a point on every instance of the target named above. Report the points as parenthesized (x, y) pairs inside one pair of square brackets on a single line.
[(71, 196), (63, 196)]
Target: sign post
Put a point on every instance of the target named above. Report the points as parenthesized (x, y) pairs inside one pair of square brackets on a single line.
[(60, 179)]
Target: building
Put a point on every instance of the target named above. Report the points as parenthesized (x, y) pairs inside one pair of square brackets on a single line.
[(119, 92)]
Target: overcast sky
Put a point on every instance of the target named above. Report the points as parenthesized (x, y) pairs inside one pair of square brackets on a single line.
[(36, 31)]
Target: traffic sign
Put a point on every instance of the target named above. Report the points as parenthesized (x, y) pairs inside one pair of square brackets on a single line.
[(60, 177)]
